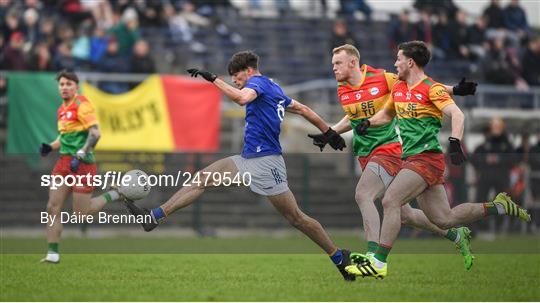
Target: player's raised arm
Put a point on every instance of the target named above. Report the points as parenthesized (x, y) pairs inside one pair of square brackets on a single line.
[(239, 96), (328, 135)]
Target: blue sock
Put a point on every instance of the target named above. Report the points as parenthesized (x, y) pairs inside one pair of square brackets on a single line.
[(158, 213), (337, 257)]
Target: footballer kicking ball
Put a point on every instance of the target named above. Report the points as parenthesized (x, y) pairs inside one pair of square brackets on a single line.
[(134, 185)]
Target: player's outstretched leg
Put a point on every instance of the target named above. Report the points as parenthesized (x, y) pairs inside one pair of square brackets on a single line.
[(185, 196), (286, 204), (460, 236)]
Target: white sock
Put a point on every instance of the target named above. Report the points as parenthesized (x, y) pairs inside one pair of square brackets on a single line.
[(457, 238), (370, 254), (500, 208), (378, 264)]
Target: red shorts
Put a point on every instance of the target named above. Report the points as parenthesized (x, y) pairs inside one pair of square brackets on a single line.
[(429, 165), (388, 156), (63, 168)]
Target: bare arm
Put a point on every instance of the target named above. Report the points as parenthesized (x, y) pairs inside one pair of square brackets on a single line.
[(384, 116), (303, 110), (56, 143), (449, 89), (343, 126), (238, 96), (458, 120), (92, 139)]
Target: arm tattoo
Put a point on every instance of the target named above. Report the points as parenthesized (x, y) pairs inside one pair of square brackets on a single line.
[(92, 138)]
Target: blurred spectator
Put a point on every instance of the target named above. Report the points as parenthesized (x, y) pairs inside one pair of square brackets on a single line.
[(5, 6), (65, 33), (11, 24), (13, 54), (113, 62), (493, 161), (531, 62), (476, 39), (141, 62), (149, 12), (515, 19), (98, 44), (494, 15), (446, 7), (63, 58), (341, 35), (423, 29), (183, 24), (73, 11), (31, 26), (101, 11), (47, 32), (40, 58), (81, 45), (501, 66), (349, 7), (458, 36), (126, 32), (400, 29), (442, 38)]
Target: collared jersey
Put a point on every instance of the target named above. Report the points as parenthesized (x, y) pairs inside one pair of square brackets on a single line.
[(263, 118), (74, 120), (362, 101), (419, 113)]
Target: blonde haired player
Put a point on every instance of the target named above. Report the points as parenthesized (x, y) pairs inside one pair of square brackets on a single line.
[(419, 103)]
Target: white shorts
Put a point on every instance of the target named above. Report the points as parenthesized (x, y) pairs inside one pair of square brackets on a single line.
[(386, 178), (268, 173)]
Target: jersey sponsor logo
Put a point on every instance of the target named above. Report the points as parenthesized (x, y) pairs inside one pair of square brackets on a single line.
[(408, 96), (373, 91), (259, 149), (398, 94), (345, 97), (418, 96)]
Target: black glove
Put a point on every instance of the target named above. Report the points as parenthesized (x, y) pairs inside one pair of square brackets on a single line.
[(361, 129), (74, 165), (45, 149), (208, 76), (334, 139), (464, 88), (318, 140), (457, 157)]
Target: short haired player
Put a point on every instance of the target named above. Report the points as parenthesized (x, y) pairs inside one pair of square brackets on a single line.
[(79, 134), (363, 91), (265, 105), (419, 103)]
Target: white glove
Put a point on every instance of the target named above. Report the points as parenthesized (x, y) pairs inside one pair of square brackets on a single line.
[(80, 154)]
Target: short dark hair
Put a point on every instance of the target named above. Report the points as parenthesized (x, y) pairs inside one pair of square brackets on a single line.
[(416, 50), (70, 75), (241, 61)]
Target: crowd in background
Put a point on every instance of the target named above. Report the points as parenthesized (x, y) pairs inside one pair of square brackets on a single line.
[(499, 43), (105, 36)]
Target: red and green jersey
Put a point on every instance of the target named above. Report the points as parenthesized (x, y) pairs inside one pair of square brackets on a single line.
[(74, 120), (362, 101), (419, 113)]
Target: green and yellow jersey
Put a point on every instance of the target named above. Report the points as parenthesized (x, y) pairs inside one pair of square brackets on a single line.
[(74, 120), (419, 113), (362, 101)]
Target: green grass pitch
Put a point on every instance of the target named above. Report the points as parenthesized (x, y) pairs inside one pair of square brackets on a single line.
[(262, 269)]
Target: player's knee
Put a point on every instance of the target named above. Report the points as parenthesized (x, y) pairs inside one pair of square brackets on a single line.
[(389, 202), (362, 197), (53, 208)]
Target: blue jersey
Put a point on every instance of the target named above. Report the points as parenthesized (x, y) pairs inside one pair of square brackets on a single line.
[(263, 118)]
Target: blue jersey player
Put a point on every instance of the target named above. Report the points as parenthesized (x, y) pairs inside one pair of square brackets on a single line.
[(261, 157)]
